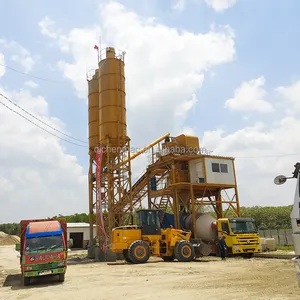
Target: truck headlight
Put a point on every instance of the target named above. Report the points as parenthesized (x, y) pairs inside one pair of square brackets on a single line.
[(236, 248), (61, 264), (260, 247)]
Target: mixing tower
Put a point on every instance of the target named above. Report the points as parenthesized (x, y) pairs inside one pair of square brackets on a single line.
[(185, 181)]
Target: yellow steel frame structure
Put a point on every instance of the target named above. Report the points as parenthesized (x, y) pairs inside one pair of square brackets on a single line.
[(185, 196), (119, 198), (115, 188)]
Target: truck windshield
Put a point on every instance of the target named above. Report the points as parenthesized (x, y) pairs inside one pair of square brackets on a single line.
[(44, 242), (243, 226)]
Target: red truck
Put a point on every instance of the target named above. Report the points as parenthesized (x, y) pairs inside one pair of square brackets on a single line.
[(43, 248)]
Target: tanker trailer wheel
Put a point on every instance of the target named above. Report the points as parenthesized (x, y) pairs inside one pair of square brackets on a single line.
[(126, 256), (139, 252), (184, 251)]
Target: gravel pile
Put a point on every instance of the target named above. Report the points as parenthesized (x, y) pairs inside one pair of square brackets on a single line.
[(6, 239)]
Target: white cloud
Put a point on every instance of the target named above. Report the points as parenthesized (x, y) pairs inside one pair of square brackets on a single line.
[(291, 97), (24, 59), (163, 67), (47, 28), (31, 84), (178, 5), (188, 131), (250, 96), (19, 54), (220, 5), (262, 151), (37, 177), (186, 106)]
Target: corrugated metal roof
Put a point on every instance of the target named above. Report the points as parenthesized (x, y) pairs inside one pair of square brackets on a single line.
[(70, 225)]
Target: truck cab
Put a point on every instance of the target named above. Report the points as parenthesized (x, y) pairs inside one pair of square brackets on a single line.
[(43, 249), (241, 236)]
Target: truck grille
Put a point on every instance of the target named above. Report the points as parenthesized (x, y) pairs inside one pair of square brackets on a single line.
[(47, 266), (248, 240)]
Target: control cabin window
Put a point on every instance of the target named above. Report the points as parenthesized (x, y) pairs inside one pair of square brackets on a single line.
[(219, 168), (215, 167)]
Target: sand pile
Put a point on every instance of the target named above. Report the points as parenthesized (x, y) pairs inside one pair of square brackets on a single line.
[(6, 239)]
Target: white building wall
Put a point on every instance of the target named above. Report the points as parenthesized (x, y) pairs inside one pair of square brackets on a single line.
[(196, 170), (219, 177), (85, 230)]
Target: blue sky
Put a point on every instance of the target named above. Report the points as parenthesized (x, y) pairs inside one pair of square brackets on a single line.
[(265, 44)]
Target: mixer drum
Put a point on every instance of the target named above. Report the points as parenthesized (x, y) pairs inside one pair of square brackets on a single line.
[(204, 228)]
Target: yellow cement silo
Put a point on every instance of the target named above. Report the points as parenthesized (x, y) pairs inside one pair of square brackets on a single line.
[(93, 110), (112, 108)]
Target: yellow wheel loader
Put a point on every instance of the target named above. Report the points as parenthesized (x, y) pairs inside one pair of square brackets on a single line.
[(139, 242)]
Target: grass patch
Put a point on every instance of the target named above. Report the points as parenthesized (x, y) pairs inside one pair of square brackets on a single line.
[(285, 248)]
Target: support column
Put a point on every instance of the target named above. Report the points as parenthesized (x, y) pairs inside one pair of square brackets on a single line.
[(219, 206), (236, 192), (193, 210), (176, 211)]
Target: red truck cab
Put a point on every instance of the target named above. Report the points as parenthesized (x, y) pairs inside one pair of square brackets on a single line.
[(43, 248)]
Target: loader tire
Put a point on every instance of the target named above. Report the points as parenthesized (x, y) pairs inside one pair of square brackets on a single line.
[(126, 256), (139, 252), (184, 251)]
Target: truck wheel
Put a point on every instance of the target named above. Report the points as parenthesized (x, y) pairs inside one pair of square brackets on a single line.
[(139, 252), (168, 258), (184, 251), (26, 280), (61, 277), (126, 256)]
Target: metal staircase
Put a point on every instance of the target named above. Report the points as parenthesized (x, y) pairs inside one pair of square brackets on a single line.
[(138, 192)]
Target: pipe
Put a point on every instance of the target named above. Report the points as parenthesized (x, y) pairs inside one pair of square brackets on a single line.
[(143, 150)]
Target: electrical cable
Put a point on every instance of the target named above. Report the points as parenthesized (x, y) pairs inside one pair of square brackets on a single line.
[(41, 120), (41, 127), (269, 156), (33, 76), (236, 157)]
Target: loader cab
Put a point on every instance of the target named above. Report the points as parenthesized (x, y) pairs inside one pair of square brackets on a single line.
[(149, 222)]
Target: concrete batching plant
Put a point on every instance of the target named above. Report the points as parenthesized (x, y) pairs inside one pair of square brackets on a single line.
[(179, 176)]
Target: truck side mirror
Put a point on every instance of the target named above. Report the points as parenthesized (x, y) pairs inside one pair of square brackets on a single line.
[(18, 247)]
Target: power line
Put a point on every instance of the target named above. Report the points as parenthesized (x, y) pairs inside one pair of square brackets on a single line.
[(33, 76), (41, 127), (236, 157), (41, 120), (275, 155), (270, 156), (260, 156)]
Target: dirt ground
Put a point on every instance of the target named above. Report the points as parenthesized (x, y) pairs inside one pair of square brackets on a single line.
[(209, 278)]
